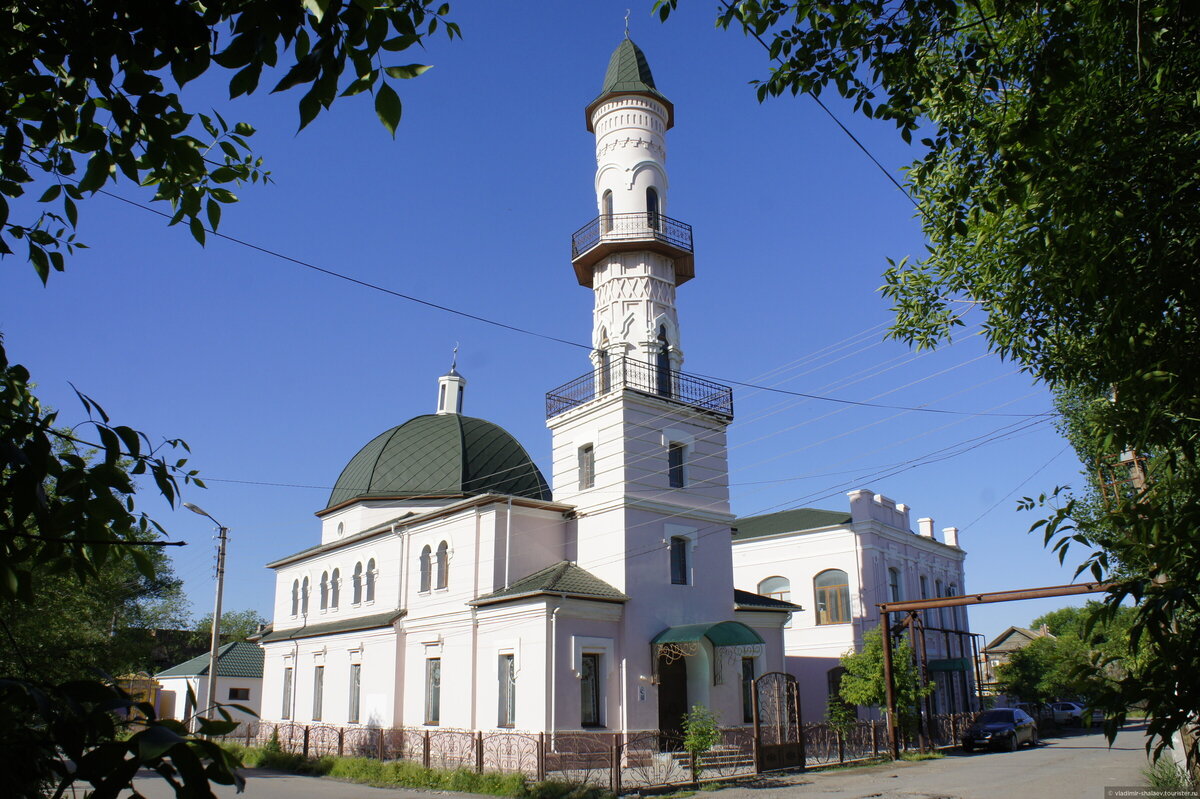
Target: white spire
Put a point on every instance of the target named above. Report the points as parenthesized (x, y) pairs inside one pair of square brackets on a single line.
[(451, 387)]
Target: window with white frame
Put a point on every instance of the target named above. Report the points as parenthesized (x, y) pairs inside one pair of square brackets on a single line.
[(355, 692), (356, 583), (324, 591), (370, 577), (587, 466), (680, 568), (433, 691), (832, 590), (286, 711), (318, 692), (426, 568), (335, 581), (443, 565), (507, 687), (295, 597), (304, 597), (590, 690), (894, 584), (677, 464)]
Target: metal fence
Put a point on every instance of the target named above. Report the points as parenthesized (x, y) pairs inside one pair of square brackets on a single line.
[(626, 373), (616, 761)]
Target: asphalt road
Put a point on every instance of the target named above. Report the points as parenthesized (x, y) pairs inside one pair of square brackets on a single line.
[(1077, 766)]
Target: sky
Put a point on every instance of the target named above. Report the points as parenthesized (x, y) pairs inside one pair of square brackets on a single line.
[(276, 375)]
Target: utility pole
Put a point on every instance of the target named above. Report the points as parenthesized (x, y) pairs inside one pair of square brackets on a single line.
[(215, 644)]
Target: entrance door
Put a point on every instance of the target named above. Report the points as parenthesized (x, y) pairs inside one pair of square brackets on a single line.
[(672, 696)]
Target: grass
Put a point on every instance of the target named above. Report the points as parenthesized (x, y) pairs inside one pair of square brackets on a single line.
[(916, 757), (1165, 774), (404, 774)]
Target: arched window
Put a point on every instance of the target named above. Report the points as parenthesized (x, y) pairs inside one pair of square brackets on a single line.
[(304, 597), (356, 583), (295, 597), (426, 569), (652, 208), (894, 584), (777, 588), (324, 590), (443, 565), (335, 584), (371, 580), (603, 381), (832, 589), (606, 212), (663, 363)]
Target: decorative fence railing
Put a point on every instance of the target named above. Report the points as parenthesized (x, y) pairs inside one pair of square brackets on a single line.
[(615, 761), (631, 227), (626, 373)]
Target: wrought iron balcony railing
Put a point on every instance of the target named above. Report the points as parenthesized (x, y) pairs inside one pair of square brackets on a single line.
[(615, 228), (626, 373)]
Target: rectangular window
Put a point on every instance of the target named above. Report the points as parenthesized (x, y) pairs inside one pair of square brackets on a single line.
[(675, 464), (587, 466), (747, 690), (318, 691), (679, 561), (433, 690), (507, 677), (589, 690), (355, 691), (287, 695), (239, 694)]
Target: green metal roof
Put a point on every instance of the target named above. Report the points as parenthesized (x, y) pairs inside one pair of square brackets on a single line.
[(629, 73), (352, 624), (238, 659), (746, 600), (719, 633), (563, 577), (440, 455), (788, 521)]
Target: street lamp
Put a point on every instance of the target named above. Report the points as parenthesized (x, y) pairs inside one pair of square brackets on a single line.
[(216, 623)]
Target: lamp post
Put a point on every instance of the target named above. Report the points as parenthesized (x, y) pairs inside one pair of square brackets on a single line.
[(216, 623)]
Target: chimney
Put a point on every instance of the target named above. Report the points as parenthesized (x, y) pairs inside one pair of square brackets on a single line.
[(925, 527), (950, 535)]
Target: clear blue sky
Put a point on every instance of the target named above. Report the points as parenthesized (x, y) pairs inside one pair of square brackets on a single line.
[(276, 375)]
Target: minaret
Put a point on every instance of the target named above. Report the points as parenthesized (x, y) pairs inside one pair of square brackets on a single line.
[(633, 254), (639, 446)]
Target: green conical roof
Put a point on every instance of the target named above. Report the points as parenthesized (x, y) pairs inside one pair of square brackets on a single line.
[(440, 455), (629, 73)]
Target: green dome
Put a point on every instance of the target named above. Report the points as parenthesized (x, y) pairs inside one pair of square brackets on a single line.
[(629, 73), (440, 455)]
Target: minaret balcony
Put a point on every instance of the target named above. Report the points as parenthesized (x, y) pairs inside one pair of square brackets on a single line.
[(628, 374), (612, 233)]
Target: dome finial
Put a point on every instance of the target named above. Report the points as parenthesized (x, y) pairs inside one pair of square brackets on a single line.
[(627, 23), (454, 359), (451, 386)]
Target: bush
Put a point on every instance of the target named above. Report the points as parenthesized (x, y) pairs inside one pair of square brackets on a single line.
[(557, 789)]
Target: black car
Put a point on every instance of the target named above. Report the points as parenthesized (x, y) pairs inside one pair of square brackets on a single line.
[(1003, 728)]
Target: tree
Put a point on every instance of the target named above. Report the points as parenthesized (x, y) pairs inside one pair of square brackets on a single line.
[(84, 100), (70, 630), (236, 625), (1058, 190), (864, 684), (1049, 668), (86, 97)]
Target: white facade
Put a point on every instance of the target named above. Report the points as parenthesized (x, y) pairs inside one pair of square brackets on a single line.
[(882, 559)]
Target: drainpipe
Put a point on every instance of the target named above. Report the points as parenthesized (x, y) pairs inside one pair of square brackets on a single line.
[(507, 539), (554, 674)]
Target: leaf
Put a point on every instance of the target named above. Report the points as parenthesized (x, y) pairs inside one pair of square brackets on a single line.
[(317, 8), (51, 193), (154, 741), (197, 228), (408, 71), (387, 107)]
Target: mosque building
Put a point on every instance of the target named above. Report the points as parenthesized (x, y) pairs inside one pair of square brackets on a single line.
[(454, 586)]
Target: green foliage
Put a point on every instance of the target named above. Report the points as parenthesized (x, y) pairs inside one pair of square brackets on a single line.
[(86, 97), (236, 625), (558, 789), (1047, 669), (701, 732), (1057, 186), (863, 682), (63, 738), (1164, 774)]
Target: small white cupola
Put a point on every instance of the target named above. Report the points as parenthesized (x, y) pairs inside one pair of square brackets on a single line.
[(451, 387)]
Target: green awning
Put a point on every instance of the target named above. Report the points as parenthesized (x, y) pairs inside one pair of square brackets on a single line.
[(719, 633), (950, 664)]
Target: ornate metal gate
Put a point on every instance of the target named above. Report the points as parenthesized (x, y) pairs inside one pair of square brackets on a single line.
[(778, 731)]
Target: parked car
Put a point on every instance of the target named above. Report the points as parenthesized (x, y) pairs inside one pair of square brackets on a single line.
[(1071, 713), (1002, 728)]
